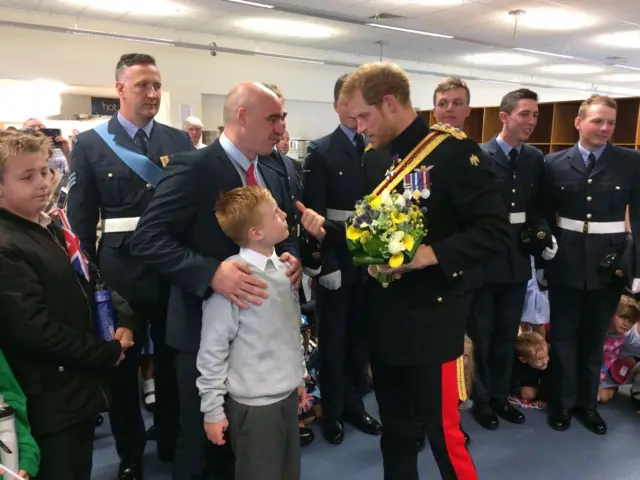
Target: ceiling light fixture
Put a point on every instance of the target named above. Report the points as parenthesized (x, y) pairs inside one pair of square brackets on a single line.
[(437, 3), (551, 19), (287, 57), (548, 54), (628, 67), (288, 28), (625, 39), (113, 36), (409, 30), (160, 8), (501, 59), (622, 77), (250, 4), (571, 69)]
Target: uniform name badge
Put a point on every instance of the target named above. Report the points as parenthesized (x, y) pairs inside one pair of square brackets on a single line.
[(417, 184)]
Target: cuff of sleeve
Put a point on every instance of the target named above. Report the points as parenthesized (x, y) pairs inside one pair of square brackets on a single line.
[(206, 275), (451, 273), (216, 416)]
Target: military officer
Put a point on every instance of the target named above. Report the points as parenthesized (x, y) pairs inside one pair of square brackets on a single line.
[(416, 325), (497, 307), (332, 178), (588, 188), (113, 170)]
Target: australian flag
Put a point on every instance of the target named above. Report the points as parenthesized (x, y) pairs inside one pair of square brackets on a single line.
[(74, 251)]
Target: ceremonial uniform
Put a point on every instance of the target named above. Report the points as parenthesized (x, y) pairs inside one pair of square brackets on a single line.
[(333, 181), (497, 306), (103, 186), (416, 325), (587, 194)]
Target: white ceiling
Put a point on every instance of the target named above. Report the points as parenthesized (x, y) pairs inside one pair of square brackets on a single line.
[(477, 25)]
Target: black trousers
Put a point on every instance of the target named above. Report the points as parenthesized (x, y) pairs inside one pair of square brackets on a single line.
[(579, 323), (127, 424), (342, 349), (67, 453), (196, 457), (493, 326), (429, 392)]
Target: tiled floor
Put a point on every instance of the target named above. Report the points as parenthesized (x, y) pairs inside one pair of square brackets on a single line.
[(527, 452)]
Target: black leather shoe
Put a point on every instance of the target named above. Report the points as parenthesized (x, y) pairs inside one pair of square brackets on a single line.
[(333, 431), (306, 436), (365, 423), (591, 419), (485, 416), (559, 420), (130, 470), (507, 412)]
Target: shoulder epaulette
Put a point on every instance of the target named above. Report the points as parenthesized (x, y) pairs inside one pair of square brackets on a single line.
[(454, 132)]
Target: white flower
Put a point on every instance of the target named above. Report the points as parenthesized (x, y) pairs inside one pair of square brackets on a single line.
[(396, 245), (400, 202), (386, 199)]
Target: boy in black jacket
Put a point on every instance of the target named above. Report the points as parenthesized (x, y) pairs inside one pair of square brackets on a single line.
[(47, 328)]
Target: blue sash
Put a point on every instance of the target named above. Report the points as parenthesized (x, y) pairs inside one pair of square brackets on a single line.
[(145, 168)]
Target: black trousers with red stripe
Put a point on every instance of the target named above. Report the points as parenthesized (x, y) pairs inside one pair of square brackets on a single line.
[(430, 393)]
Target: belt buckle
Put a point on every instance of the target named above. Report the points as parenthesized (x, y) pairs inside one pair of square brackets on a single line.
[(585, 227)]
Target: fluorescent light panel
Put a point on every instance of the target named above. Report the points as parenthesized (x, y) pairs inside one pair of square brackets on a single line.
[(251, 4), (548, 54), (409, 30), (286, 57), (628, 67), (88, 33)]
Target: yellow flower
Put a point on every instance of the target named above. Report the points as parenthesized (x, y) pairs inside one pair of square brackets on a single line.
[(366, 235), (375, 202), (398, 217), (353, 233), (396, 260), (408, 242)]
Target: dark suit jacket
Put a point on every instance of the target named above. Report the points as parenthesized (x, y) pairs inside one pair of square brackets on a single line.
[(103, 186), (179, 235), (601, 196), (332, 179), (521, 191)]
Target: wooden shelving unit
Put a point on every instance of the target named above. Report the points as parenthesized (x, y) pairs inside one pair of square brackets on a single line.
[(555, 130)]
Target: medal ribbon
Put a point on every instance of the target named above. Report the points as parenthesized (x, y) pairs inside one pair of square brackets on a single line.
[(415, 158)]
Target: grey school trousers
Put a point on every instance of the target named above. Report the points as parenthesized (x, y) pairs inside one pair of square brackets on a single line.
[(265, 439)]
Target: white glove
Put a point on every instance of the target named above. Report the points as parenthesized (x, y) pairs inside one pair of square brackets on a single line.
[(331, 281), (549, 252), (540, 277)]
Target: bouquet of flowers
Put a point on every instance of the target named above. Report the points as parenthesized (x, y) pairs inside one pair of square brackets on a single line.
[(386, 229)]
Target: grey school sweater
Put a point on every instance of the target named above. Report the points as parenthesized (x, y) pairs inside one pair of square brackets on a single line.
[(252, 354)]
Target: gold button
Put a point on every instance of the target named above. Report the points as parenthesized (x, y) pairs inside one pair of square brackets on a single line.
[(460, 272), (513, 204), (454, 275), (514, 175), (561, 188), (439, 299), (110, 175), (617, 187), (339, 173), (61, 369), (149, 186), (588, 199), (588, 216), (590, 181), (513, 191)]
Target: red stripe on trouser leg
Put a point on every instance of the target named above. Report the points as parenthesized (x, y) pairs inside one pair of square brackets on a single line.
[(453, 437)]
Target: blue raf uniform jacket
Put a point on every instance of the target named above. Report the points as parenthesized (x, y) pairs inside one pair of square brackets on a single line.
[(579, 205), (103, 186), (521, 192), (333, 183)]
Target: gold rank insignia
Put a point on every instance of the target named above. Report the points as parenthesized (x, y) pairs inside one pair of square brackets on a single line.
[(475, 161), (369, 147), (453, 131), (164, 160)]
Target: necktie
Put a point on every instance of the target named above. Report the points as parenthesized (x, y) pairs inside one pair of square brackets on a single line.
[(252, 180), (141, 140), (513, 157), (591, 162), (359, 141)]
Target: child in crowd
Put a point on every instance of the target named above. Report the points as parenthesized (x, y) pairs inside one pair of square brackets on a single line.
[(250, 360), (536, 311), (530, 383), (621, 347)]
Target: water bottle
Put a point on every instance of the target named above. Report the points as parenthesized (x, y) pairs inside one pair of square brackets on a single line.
[(8, 439), (105, 315)]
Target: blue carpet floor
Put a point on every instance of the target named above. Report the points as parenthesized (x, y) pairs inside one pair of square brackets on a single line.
[(527, 452)]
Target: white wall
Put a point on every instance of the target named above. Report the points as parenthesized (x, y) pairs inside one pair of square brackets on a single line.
[(188, 74)]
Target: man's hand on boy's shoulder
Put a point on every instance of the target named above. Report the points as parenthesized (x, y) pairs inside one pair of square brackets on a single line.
[(295, 269), (215, 431), (234, 281)]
